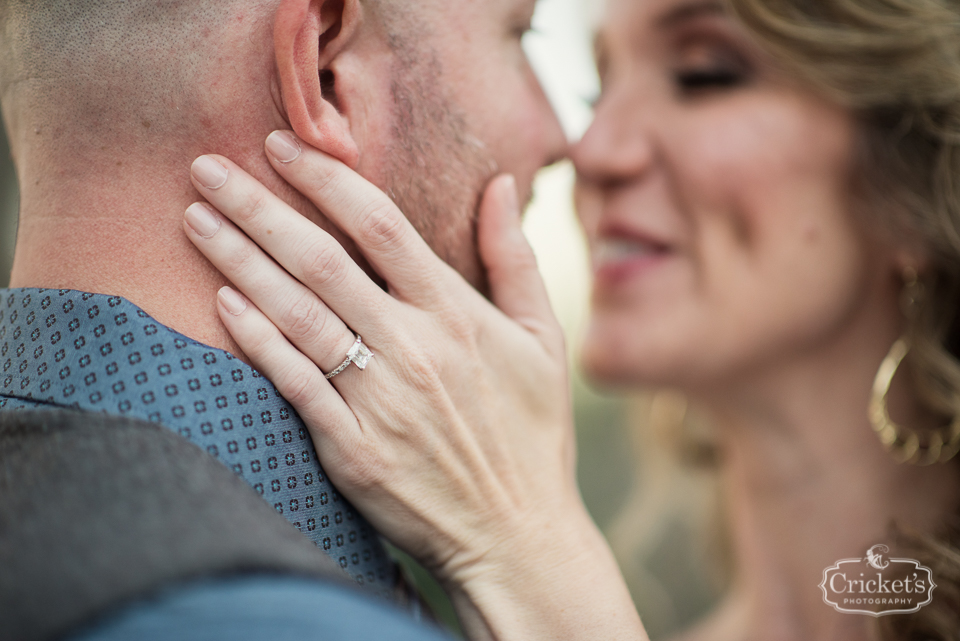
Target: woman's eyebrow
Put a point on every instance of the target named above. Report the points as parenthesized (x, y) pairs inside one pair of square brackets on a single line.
[(690, 11), (671, 18)]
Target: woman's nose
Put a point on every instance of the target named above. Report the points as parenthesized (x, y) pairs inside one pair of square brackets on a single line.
[(618, 145)]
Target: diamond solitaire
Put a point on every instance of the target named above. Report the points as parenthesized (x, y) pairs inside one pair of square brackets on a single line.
[(358, 354)]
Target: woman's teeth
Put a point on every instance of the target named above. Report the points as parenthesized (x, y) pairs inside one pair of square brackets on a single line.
[(616, 250)]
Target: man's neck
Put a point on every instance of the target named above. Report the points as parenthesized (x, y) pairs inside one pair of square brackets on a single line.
[(808, 484), (103, 190), (120, 233)]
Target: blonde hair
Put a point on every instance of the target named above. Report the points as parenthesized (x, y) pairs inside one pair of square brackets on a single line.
[(896, 65)]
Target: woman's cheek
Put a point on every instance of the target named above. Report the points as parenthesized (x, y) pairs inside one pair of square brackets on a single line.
[(776, 253)]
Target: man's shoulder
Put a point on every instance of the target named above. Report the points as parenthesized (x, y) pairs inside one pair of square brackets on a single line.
[(265, 607), (101, 510), (103, 354)]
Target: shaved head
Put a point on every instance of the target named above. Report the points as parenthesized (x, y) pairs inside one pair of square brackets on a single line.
[(49, 36), (96, 62), (143, 66), (84, 38)]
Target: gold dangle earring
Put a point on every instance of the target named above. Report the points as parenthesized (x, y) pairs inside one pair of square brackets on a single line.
[(903, 443)]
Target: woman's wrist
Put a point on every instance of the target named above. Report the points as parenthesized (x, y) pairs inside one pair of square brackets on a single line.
[(555, 578)]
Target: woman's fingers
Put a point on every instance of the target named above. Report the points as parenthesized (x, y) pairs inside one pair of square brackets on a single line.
[(516, 286), (307, 252), (363, 212), (298, 313), (296, 377)]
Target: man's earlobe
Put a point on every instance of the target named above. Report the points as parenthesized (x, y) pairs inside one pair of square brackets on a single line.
[(308, 36)]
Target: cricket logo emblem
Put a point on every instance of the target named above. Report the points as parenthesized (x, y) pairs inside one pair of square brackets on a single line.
[(877, 585), (875, 557)]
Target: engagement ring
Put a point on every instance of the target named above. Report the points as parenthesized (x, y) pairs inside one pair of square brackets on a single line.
[(359, 355)]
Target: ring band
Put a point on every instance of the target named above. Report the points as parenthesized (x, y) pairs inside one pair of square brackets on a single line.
[(358, 354)]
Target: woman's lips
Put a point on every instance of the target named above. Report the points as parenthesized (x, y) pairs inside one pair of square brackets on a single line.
[(618, 259)]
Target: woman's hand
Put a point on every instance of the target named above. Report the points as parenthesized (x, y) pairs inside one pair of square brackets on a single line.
[(456, 440)]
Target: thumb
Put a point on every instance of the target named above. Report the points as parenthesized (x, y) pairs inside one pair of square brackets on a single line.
[(516, 286)]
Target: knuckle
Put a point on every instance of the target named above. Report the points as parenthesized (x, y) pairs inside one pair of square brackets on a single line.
[(303, 319), (242, 260), (252, 207), (381, 225), (525, 261), (367, 468), (322, 178), (324, 264), (460, 326), (256, 345), (423, 373), (299, 388), (517, 262)]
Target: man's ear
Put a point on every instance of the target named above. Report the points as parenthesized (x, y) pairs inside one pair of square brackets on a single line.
[(308, 36)]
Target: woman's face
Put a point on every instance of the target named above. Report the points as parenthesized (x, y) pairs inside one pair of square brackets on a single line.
[(715, 193)]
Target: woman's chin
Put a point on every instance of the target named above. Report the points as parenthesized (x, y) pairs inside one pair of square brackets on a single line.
[(624, 350), (610, 366)]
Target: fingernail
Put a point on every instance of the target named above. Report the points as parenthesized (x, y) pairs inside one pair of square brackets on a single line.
[(202, 219), (209, 172), (283, 146), (231, 301), (511, 201)]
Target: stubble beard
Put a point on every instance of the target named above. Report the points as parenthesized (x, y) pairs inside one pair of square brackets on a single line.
[(437, 170)]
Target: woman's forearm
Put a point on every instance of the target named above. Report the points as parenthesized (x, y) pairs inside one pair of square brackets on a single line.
[(560, 582)]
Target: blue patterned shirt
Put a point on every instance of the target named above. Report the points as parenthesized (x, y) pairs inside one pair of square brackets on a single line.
[(63, 348)]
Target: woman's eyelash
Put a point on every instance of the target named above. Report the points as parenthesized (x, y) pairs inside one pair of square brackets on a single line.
[(698, 79)]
